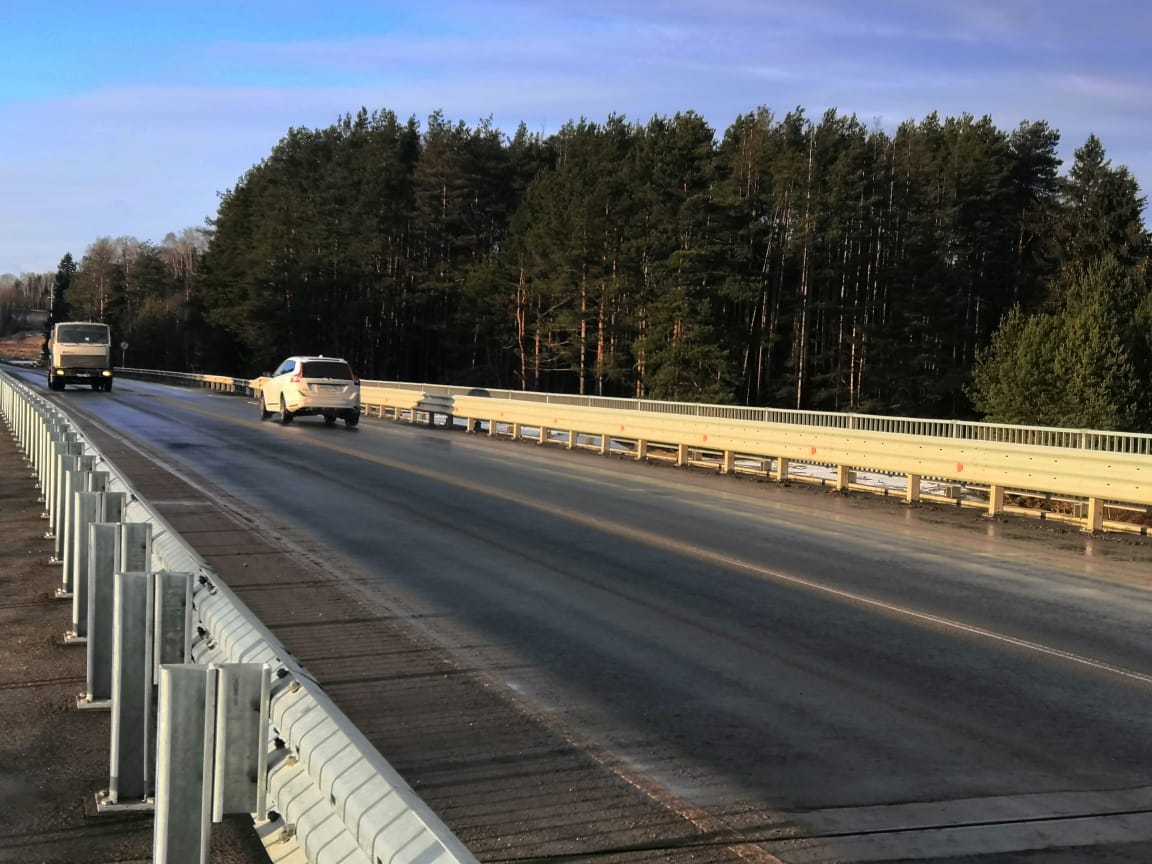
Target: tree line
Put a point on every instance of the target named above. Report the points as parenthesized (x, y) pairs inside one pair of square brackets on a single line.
[(947, 269)]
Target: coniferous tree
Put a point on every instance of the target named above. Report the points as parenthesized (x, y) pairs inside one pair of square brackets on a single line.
[(1101, 211), (1080, 364), (795, 263)]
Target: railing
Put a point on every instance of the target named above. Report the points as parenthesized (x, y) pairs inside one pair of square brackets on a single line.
[(1040, 436), (336, 798), (1102, 480)]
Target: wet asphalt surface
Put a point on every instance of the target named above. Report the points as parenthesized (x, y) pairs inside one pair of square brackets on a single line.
[(603, 659)]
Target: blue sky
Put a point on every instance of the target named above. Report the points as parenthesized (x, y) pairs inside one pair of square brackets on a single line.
[(127, 118)]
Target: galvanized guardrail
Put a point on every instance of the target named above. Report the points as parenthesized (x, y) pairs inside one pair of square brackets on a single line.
[(333, 795), (1103, 480)]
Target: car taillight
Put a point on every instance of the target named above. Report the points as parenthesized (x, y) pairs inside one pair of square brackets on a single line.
[(295, 379), (355, 380)]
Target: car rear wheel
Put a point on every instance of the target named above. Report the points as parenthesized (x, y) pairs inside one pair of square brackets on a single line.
[(351, 420), (285, 414), (264, 412), (329, 419)]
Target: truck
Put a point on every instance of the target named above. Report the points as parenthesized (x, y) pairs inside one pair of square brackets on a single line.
[(80, 352)]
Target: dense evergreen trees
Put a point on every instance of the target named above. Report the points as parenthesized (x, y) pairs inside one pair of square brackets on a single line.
[(1084, 357), (944, 269)]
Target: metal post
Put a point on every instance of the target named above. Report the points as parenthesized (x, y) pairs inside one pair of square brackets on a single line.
[(1095, 520), (65, 462), (184, 750), (131, 762), (172, 628), (113, 548), (112, 506), (86, 510), (136, 547), (73, 483), (912, 495), (995, 500), (241, 763), (103, 562), (97, 481), (781, 473)]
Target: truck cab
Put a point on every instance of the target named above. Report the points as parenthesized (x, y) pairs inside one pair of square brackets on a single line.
[(80, 352)]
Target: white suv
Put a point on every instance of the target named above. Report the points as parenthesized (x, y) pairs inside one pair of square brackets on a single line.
[(311, 385)]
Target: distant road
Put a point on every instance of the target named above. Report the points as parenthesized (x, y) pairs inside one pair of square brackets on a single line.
[(829, 678)]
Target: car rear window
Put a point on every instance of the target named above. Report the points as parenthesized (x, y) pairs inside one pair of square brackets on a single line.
[(327, 369)]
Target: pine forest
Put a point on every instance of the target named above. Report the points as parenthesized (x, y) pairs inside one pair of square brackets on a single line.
[(947, 269)]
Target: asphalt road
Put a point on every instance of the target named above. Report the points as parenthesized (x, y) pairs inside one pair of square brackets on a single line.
[(902, 683)]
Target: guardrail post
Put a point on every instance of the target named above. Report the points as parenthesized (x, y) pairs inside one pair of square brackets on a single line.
[(112, 548), (681, 455), (240, 777), (912, 495), (1095, 521), (136, 547), (995, 500), (53, 437), (103, 560), (78, 466), (172, 628), (68, 459), (641, 449), (844, 477), (781, 473), (62, 461), (130, 761), (112, 506), (728, 466), (82, 480), (184, 751), (211, 756), (86, 510), (73, 483)]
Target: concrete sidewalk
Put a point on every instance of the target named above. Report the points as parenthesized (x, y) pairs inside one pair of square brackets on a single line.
[(53, 757)]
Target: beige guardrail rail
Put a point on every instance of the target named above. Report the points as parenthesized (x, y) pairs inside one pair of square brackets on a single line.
[(1102, 480)]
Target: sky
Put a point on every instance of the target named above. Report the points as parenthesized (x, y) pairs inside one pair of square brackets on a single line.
[(129, 118)]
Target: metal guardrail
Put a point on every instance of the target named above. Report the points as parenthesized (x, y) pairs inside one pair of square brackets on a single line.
[(337, 798), (1039, 436), (1088, 470)]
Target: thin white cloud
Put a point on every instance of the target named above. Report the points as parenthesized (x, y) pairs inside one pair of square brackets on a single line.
[(145, 160)]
